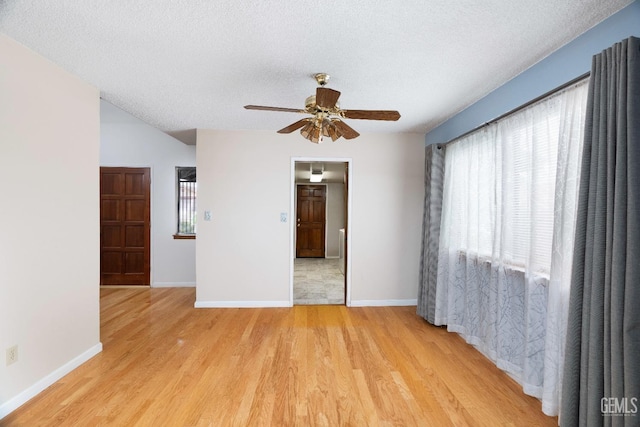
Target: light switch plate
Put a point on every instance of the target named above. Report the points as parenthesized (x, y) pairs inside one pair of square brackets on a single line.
[(207, 215)]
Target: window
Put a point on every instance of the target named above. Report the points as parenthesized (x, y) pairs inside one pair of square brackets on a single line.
[(501, 184), (186, 187), (505, 254)]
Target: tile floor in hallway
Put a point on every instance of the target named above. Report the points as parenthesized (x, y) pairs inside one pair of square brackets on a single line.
[(317, 281)]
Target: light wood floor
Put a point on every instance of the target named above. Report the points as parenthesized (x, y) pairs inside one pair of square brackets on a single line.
[(167, 364)]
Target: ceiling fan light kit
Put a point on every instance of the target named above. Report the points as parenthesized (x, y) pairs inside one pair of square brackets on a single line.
[(326, 115)]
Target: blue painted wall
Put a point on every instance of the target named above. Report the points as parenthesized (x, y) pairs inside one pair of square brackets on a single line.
[(565, 64)]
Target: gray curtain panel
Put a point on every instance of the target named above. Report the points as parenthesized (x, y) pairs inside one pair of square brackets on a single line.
[(433, 186), (601, 383)]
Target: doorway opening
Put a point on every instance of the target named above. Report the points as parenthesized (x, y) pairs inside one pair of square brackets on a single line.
[(320, 224)]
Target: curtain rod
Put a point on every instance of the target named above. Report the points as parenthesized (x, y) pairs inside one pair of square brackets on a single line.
[(521, 107)]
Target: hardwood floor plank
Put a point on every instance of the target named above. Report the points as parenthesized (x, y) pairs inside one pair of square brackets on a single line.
[(167, 363)]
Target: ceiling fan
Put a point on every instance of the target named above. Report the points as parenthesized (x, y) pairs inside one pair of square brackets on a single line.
[(326, 115)]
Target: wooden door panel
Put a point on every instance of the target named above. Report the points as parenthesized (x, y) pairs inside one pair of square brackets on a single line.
[(134, 236), (316, 238), (111, 237), (135, 210), (318, 211), (125, 226), (303, 238), (110, 183), (134, 184), (134, 263), (111, 262), (310, 231), (110, 210), (303, 209)]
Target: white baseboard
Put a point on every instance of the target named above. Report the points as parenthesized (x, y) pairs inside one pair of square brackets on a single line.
[(274, 304), (383, 302), (19, 400), (173, 285), (241, 304), (332, 257)]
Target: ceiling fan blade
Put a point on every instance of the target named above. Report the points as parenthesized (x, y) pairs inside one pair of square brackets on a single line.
[(326, 98), (371, 114), (347, 131), (295, 126), (261, 107)]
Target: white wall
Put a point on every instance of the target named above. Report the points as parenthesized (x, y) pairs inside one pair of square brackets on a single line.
[(49, 249), (127, 141), (243, 255), (335, 218)]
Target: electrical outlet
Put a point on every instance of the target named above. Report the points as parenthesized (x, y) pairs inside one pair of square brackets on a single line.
[(12, 355)]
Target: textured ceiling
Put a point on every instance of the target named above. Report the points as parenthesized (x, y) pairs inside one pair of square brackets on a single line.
[(185, 64)]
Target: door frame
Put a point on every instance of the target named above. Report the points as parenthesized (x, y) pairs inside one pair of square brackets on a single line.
[(292, 222)]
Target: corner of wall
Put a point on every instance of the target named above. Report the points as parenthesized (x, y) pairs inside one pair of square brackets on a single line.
[(51, 315)]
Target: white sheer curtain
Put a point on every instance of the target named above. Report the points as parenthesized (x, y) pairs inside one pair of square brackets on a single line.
[(508, 218)]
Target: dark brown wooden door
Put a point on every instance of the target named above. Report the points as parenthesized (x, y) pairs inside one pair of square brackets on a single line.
[(311, 221), (125, 226)]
